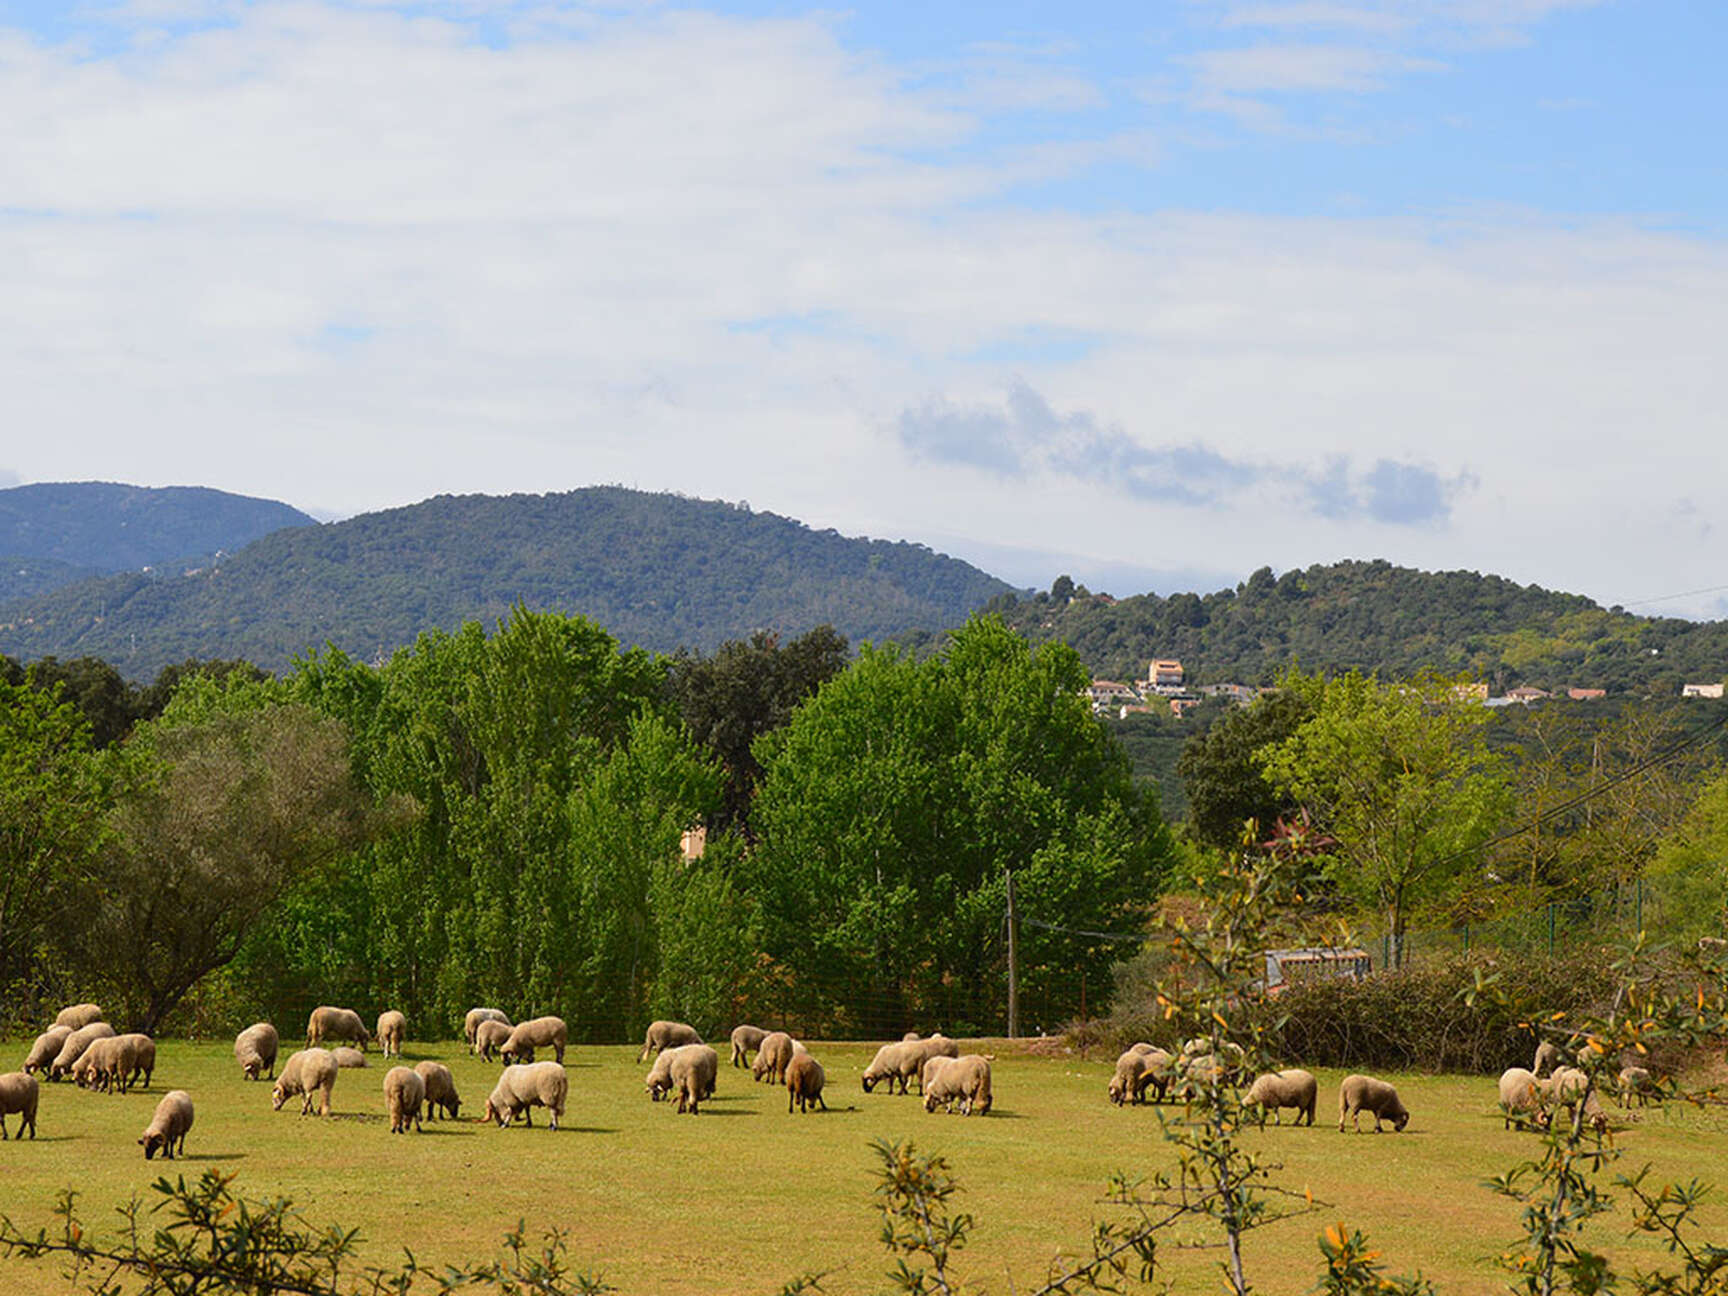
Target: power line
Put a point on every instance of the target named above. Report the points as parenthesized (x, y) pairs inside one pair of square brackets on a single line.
[(1664, 598)]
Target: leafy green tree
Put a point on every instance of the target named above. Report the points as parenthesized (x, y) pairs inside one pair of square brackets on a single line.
[(215, 817), (1224, 781), (896, 802), (1401, 776), (52, 803), (745, 689)]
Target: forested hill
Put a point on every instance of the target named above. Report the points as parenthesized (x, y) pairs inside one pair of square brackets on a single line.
[(55, 533), (662, 571), (1377, 617)]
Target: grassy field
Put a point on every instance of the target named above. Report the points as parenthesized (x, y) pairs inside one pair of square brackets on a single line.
[(745, 1196)]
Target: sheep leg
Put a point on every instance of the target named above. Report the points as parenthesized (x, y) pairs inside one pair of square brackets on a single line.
[(821, 1103), (3, 1134)]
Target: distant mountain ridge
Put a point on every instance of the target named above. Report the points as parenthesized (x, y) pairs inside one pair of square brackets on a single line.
[(662, 571), (54, 534)]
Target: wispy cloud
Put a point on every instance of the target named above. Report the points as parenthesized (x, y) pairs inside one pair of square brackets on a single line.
[(1024, 437), (1284, 68)]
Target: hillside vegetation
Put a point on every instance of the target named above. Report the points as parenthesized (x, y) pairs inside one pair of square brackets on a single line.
[(1373, 616), (53, 534), (659, 571)]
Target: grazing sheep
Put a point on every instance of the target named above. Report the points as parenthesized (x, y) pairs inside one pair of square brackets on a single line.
[(695, 1068), (490, 1036), (1520, 1097), (523, 1087), (404, 1092), (542, 1032), (1548, 1057), (665, 1035), (255, 1050), (903, 1062), (945, 1079), (1280, 1089), (804, 1081), (90, 1063), (1360, 1093), (328, 1023), (440, 1089), (126, 1060), (349, 1059), (45, 1049), (471, 1023), (745, 1041), (772, 1056), (79, 1016), (1635, 1082), (1569, 1086), (75, 1044), (1135, 1071), (885, 1066), (168, 1126), (392, 1030), (20, 1092), (910, 1035), (307, 1072)]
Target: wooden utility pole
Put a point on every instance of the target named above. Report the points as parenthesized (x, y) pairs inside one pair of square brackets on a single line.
[(1013, 964)]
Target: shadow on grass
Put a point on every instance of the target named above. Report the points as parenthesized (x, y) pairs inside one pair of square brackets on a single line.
[(213, 1156)]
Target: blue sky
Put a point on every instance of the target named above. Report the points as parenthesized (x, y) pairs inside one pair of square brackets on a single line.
[(1151, 293)]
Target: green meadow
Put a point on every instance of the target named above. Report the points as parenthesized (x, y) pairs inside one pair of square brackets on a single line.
[(744, 1196)]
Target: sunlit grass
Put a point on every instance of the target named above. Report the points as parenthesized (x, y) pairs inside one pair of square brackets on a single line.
[(745, 1196)]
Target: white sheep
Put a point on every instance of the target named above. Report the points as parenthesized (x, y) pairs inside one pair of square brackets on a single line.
[(471, 1023), (491, 1035), (440, 1089), (541, 1032), (665, 1035), (745, 1041), (1277, 1090), (327, 1023), (307, 1072), (255, 1050), (772, 1056), (349, 1059), (1635, 1082), (1521, 1096), (78, 1016), (404, 1092), (1137, 1069), (75, 1044), (45, 1049), (522, 1087), (945, 1079), (20, 1093), (169, 1126), (392, 1030), (1360, 1093)]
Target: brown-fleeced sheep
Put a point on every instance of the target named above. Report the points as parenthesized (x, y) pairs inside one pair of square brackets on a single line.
[(404, 1092), (541, 1032), (45, 1049), (772, 1057), (804, 1081), (327, 1023), (1140, 1067), (307, 1072), (745, 1041), (471, 1023), (490, 1036), (695, 1069), (1569, 1086), (440, 1090), (665, 1035), (349, 1059), (255, 1051), (20, 1093), (523, 1087), (965, 1079), (392, 1030), (78, 1016), (1634, 1082), (1520, 1098), (126, 1060), (168, 1127), (903, 1062), (75, 1044), (1360, 1093), (1277, 1090)]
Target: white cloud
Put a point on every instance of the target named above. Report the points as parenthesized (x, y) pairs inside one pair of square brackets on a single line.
[(1279, 68), (355, 259)]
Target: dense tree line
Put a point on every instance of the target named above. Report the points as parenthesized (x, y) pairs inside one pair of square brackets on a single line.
[(1375, 617)]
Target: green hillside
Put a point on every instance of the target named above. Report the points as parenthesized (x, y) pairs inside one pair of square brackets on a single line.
[(662, 571), (1378, 617)]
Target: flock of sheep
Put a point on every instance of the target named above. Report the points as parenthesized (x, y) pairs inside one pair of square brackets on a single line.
[(84, 1048), (1524, 1094)]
